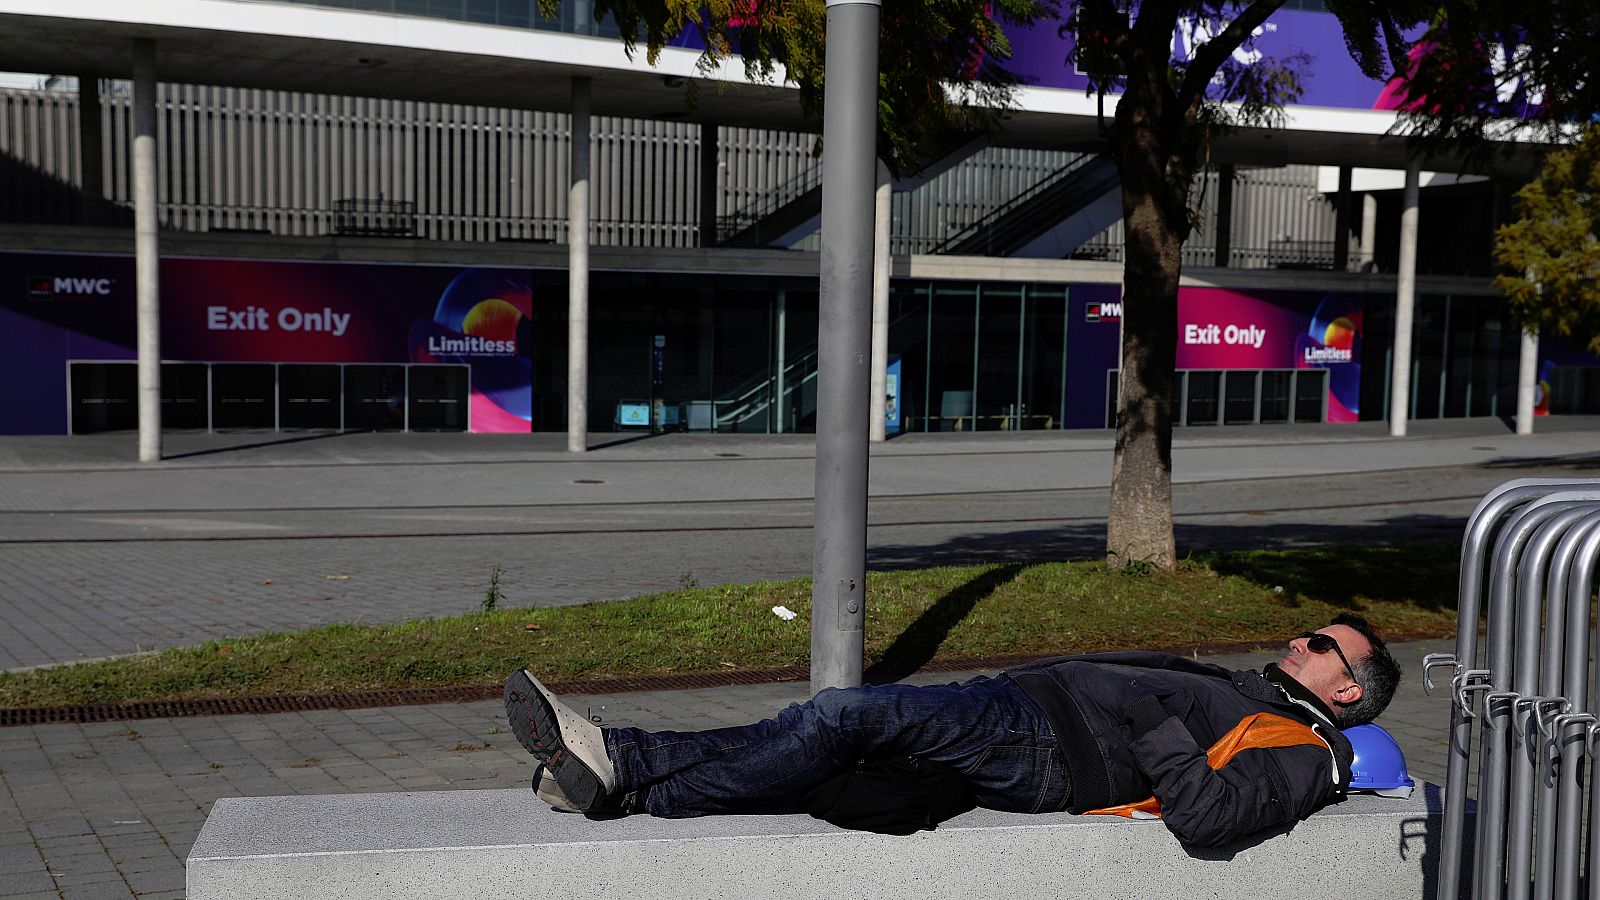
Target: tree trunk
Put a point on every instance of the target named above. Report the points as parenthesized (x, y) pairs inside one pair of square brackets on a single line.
[(1139, 529), (1155, 164)]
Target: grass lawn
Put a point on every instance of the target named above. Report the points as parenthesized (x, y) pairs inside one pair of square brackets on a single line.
[(912, 617)]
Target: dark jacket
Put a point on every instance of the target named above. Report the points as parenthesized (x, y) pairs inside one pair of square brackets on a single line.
[(1132, 725)]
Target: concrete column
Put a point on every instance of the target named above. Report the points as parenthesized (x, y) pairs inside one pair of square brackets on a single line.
[(92, 180), (1341, 222), (708, 184), (1527, 380), (1224, 216), (1369, 231), (877, 430), (844, 331), (1404, 303), (146, 250), (578, 273)]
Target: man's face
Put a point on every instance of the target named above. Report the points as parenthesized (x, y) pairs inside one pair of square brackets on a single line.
[(1324, 673)]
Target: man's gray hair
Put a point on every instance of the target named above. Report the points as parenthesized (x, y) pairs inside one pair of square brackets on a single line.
[(1377, 673)]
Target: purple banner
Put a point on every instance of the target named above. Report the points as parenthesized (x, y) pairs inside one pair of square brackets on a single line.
[(56, 308)]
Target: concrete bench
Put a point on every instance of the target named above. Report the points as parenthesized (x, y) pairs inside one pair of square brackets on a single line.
[(504, 843)]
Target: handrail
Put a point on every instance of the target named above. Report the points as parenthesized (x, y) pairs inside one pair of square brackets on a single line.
[(806, 181), (1044, 184)]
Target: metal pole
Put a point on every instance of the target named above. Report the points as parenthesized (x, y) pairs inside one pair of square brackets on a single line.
[(877, 431), (1527, 380), (1404, 302), (1530, 618), (1574, 685), (578, 274), (1581, 578), (146, 249), (849, 131)]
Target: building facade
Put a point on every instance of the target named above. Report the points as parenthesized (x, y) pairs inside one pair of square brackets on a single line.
[(390, 263)]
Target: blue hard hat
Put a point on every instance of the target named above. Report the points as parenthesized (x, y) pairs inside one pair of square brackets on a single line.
[(1379, 766)]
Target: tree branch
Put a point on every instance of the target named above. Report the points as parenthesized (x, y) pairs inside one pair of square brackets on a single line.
[(1213, 53)]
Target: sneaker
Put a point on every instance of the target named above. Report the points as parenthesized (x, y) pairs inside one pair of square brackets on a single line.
[(546, 789), (570, 747)]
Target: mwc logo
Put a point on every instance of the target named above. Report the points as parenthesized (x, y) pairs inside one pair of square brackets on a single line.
[(50, 288), (1102, 312)]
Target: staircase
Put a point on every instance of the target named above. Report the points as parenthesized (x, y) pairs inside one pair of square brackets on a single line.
[(1032, 214)]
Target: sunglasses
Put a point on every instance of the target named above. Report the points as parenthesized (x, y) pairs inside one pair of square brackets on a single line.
[(1317, 642)]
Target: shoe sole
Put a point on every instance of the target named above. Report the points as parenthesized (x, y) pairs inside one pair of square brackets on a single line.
[(546, 789), (536, 724)]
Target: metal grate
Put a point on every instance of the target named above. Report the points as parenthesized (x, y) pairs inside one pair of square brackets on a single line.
[(676, 681), (230, 706)]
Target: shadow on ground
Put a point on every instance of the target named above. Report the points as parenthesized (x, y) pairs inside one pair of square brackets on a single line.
[(1088, 540), (916, 645)]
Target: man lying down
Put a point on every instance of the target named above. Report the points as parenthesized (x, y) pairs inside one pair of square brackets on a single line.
[(1217, 754)]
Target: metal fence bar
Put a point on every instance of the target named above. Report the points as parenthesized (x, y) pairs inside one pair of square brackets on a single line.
[(1556, 872), (1524, 736), (1490, 513), (1493, 785)]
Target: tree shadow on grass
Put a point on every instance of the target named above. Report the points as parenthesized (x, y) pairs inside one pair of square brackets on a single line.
[(1424, 574), (916, 646)]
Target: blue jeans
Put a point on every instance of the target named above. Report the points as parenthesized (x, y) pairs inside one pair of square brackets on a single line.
[(987, 729)]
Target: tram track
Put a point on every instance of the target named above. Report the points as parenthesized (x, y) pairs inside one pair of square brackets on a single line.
[(1579, 460), (1252, 511)]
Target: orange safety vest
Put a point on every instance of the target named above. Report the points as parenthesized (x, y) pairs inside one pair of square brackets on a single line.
[(1259, 730)]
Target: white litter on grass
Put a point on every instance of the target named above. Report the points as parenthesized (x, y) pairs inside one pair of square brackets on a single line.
[(784, 613)]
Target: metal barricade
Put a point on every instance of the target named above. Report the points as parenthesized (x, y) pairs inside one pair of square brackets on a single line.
[(1527, 567)]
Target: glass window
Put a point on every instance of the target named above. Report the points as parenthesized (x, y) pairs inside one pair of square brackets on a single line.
[(1428, 358), (374, 398), (481, 11), (950, 372), (1377, 349), (515, 12), (1239, 403), (1202, 398), (742, 364), (1275, 396), (1489, 358), (908, 342), (438, 398), (1573, 390), (1460, 341), (105, 397), (242, 396), (446, 9), (185, 388), (1043, 357), (1310, 394), (799, 394), (997, 403), (308, 397)]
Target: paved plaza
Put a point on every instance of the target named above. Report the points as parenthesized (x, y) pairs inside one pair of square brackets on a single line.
[(99, 556)]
